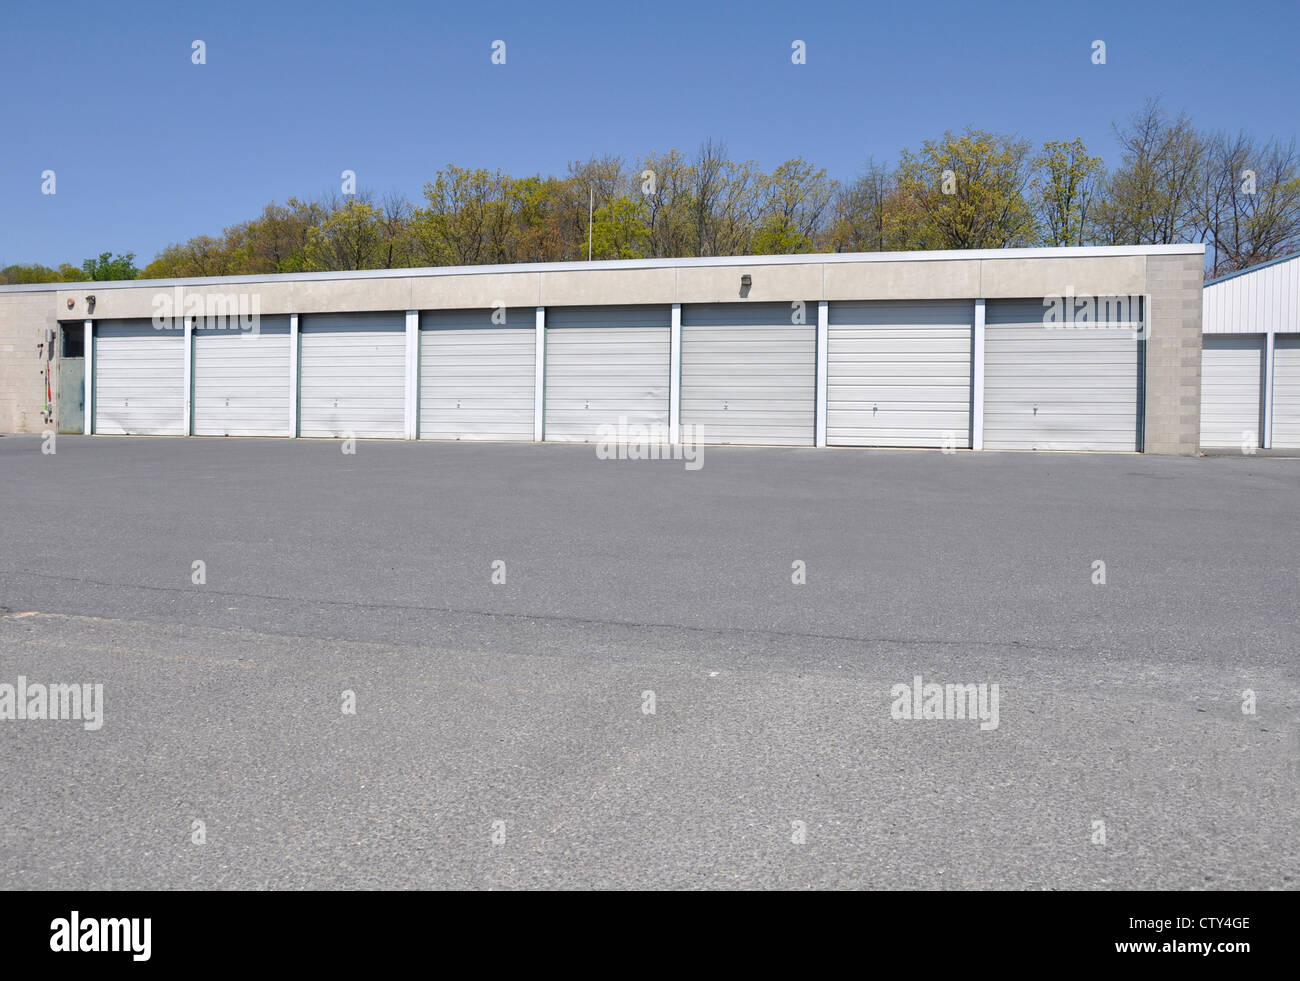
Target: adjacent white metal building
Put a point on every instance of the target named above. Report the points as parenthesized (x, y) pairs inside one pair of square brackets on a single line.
[(1250, 389)]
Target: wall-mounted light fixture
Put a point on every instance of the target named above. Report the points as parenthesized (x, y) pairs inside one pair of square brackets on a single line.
[(90, 304)]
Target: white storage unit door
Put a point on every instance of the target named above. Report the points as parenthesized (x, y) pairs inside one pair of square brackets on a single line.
[(749, 375), (1286, 391), (139, 379), (476, 377), (241, 379), (1059, 388), (604, 364), (898, 373), (1232, 371), (352, 375)]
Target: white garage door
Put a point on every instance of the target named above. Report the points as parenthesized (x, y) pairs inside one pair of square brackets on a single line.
[(749, 375), (1286, 391), (476, 377), (352, 375), (139, 379), (1058, 388), (898, 373), (602, 365), (1232, 371), (241, 380)]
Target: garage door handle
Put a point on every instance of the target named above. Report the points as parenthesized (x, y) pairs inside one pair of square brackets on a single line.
[(1035, 408), (874, 408)]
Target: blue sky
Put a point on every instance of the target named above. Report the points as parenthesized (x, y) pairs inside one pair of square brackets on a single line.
[(149, 149)]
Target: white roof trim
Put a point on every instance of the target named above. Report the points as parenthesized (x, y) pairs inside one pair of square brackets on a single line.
[(1093, 251)]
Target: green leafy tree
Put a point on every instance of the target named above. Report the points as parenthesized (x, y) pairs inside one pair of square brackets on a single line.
[(619, 230), (1248, 209), (1152, 197), (466, 219), (352, 236), (668, 208), (1064, 188), (861, 219), (538, 222), (797, 200), (965, 192), (17, 275), (110, 267)]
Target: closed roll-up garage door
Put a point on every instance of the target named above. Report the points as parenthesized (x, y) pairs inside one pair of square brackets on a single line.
[(1232, 370), (139, 379), (898, 373), (241, 380), (1286, 391), (476, 377), (749, 374), (603, 365), (352, 375), (1059, 388)]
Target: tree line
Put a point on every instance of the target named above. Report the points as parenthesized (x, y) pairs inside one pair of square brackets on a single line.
[(975, 189)]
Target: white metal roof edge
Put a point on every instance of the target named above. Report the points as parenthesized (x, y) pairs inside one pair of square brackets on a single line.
[(1088, 251), (1252, 269)]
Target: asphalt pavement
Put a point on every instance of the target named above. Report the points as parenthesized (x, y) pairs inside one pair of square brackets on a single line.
[(650, 698)]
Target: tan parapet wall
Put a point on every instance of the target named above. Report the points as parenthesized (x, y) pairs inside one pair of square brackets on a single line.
[(24, 319), (604, 287), (472, 292), (920, 276), (1085, 276), (768, 284), (940, 279)]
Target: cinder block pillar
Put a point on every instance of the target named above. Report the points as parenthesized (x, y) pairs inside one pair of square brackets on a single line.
[(1172, 419)]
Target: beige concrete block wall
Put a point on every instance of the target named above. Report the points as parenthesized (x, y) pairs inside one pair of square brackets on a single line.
[(1173, 354), (24, 318)]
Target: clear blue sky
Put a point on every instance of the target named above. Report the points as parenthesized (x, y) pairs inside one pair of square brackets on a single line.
[(150, 149)]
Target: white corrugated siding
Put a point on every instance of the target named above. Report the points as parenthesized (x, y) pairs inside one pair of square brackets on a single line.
[(603, 364), (139, 379), (1286, 392), (476, 377), (899, 373), (241, 380), (1057, 388), (1254, 302), (1232, 372), (749, 375), (352, 370)]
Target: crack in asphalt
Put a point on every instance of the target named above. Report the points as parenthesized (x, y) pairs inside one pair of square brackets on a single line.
[(1019, 645)]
